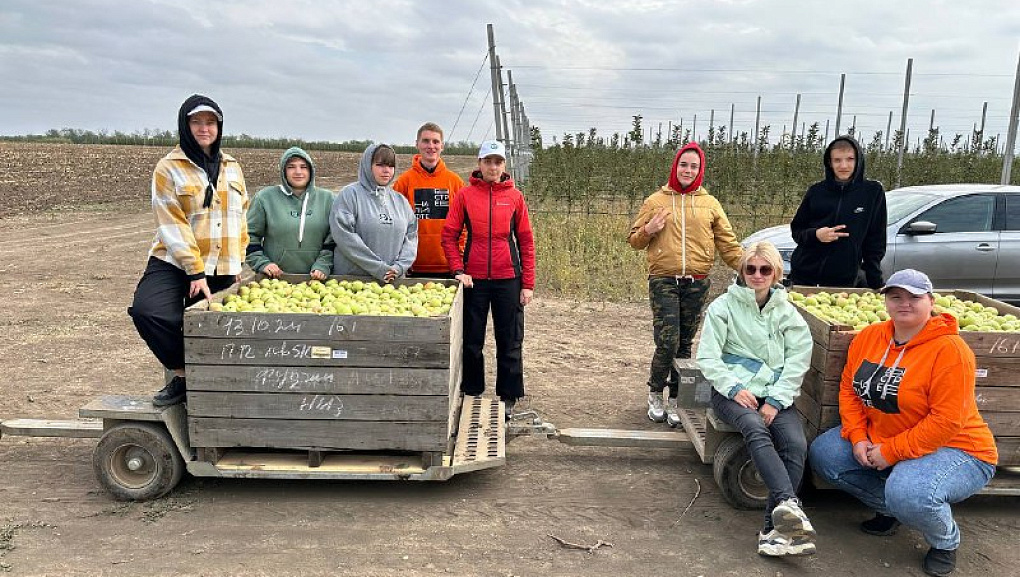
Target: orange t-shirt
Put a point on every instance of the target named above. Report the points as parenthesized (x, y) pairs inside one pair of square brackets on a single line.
[(916, 398)]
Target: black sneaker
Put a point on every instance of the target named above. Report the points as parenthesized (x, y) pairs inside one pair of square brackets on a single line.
[(881, 525), (939, 562), (171, 394)]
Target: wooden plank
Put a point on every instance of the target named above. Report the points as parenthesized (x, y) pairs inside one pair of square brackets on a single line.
[(998, 372), (1002, 424), (993, 347), (71, 429), (126, 407), (823, 392), (809, 407), (828, 362), (693, 422), (624, 438), (309, 406), (1009, 451), (998, 400), (332, 328), (456, 361), (321, 380), (297, 434), (304, 353), (331, 463)]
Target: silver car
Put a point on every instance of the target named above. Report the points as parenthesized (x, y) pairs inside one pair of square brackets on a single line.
[(964, 236)]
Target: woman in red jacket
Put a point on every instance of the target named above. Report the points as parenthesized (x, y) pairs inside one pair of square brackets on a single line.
[(497, 269)]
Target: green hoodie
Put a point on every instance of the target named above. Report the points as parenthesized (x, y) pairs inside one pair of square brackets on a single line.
[(279, 233), (765, 351)]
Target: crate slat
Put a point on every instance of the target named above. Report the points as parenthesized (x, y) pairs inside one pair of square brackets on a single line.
[(323, 380), (298, 434)]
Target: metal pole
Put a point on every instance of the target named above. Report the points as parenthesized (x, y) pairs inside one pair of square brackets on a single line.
[(839, 107), (931, 123), (502, 100), (711, 125), (733, 134), (903, 121), (984, 113), (1007, 153), (888, 129), (793, 130), (694, 130), (494, 77), (826, 139), (757, 121)]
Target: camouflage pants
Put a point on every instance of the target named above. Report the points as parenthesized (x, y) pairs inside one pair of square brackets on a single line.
[(676, 314)]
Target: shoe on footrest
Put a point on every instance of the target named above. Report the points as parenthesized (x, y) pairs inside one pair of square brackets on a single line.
[(173, 393)]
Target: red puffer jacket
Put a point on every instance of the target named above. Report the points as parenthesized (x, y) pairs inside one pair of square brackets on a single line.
[(500, 244)]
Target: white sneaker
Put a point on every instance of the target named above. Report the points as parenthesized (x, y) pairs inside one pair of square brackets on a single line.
[(775, 544), (790, 520), (672, 414), (656, 408)]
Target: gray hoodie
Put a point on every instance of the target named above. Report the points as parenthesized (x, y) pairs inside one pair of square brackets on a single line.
[(373, 226)]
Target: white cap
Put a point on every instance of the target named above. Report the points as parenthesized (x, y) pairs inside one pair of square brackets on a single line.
[(492, 148), (910, 280), (205, 108)]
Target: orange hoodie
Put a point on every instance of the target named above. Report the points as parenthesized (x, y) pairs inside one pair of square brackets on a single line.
[(430, 195), (916, 398)]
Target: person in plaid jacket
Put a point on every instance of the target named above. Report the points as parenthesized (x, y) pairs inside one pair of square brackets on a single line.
[(200, 203)]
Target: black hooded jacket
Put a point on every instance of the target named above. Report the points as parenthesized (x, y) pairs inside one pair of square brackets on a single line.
[(860, 205), (209, 163)]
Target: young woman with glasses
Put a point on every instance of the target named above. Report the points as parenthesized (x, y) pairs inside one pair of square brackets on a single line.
[(755, 349)]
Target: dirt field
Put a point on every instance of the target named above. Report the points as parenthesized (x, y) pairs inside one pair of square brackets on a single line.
[(67, 276)]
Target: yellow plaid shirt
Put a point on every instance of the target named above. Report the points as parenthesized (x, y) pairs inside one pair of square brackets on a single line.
[(195, 239)]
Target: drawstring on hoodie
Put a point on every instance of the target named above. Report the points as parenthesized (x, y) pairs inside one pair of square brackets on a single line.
[(683, 230), (304, 211), (895, 365)]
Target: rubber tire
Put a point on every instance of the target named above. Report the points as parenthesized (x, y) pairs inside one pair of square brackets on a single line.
[(734, 472), (162, 462)]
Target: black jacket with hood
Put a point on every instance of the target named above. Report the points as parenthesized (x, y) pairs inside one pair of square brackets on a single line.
[(851, 261)]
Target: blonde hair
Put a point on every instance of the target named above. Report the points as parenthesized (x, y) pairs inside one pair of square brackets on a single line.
[(766, 251)]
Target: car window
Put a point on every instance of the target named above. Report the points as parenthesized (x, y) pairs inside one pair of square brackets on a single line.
[(962, 214), (1013, 212), (900, 203)]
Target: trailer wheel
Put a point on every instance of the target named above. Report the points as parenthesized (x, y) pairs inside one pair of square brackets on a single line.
[(736, 475), (137, 462)]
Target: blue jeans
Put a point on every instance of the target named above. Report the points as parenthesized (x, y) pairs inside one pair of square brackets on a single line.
[(918, 492), (778, 450)]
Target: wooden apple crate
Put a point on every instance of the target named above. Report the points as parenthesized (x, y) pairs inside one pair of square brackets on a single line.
[(997, 384), (323, 382)]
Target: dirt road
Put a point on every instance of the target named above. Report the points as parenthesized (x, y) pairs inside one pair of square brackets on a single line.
[(66, 278)]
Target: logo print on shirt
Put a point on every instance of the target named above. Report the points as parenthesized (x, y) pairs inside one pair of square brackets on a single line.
[(859, 210), (431, 203), (878, 387), (385, 218)]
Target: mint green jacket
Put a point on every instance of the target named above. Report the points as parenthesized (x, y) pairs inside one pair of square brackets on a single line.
[(766, 351)]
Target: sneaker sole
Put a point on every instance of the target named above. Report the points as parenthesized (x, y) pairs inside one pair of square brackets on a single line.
[(654, 420), (792, 525), (168, 402)]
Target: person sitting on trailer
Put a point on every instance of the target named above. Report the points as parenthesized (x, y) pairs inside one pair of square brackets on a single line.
[(200, 200), (755, 349), (911, 440), (289, 222), (373, 226)]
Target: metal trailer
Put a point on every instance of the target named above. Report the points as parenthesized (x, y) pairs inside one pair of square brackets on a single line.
[(143, 451)]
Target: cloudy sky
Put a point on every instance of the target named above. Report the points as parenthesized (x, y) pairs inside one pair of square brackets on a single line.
[(339, 70)]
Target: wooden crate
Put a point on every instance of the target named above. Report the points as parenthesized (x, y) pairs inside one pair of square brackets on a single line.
[(323, 382), (997, 384)]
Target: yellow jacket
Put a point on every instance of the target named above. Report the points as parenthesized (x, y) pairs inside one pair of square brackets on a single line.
[(696, 228)]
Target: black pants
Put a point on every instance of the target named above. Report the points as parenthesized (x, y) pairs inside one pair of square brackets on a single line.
[(158, 309), (503, 297)]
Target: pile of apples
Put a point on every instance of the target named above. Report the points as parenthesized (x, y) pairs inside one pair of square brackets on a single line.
[(862, 309), (340, 297)]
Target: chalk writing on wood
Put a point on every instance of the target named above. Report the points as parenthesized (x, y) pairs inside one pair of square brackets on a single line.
[(1005, 346), (237, 326), (329, 404), (291, 379)]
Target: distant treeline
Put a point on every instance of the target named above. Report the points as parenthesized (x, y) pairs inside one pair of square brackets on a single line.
[(169, 138)]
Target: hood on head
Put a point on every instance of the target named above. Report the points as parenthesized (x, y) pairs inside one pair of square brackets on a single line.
[(287, 155), (674, 182), (365, 177), (188, 143), (858, 174)]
